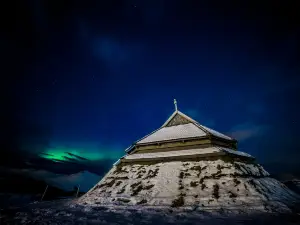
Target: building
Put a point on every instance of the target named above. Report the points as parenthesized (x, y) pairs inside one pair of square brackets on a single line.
[(185, 164)]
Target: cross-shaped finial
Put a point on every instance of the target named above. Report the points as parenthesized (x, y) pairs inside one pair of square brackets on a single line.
[(175, 103)]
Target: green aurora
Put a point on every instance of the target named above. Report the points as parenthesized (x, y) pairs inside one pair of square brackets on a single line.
[(61, 154)]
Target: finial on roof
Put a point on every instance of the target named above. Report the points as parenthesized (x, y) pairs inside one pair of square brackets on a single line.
[(175, 103)]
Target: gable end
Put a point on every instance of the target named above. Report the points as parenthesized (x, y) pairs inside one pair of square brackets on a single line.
[(177, 120)]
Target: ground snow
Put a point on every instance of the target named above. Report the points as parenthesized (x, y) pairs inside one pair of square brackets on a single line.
[(58, 212), (203, 184)]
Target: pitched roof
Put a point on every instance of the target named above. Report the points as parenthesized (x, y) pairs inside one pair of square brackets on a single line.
[(181, 131), (180, 126)]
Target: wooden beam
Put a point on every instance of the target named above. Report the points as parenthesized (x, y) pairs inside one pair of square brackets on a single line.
[(175, 143), (174, 148), (175, 158)]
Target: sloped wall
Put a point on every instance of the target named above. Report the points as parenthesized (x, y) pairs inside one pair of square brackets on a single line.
[(204, 184)]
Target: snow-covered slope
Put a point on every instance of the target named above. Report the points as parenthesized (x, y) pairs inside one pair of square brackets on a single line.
[(206, 184)]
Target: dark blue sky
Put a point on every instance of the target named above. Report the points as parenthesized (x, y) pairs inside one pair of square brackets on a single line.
[(97, 75)]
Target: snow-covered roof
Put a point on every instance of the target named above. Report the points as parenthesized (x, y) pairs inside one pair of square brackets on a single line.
[(180, 131), (230, 151), (129, 148), (189, 152), (215, 133), (117, 162)]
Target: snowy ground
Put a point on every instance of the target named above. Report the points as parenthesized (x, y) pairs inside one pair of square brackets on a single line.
[(190, 192), (64, 212)]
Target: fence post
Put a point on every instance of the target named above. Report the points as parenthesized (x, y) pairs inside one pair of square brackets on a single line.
[(77, 190), (44, 193)]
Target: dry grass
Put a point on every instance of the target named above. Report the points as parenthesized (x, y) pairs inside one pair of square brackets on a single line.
[(125, 200), (194, 183), (152, 173), (143, 201), (216, 191), (178, 202), (232, 195)]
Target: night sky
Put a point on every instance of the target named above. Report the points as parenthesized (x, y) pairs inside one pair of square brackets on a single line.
[(88, 78)]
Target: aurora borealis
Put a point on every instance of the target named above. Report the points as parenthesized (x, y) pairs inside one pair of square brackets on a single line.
[(60, 153), (92, 77)]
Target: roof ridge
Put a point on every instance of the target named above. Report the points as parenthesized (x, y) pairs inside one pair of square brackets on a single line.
[(202, 127), (170, 118)]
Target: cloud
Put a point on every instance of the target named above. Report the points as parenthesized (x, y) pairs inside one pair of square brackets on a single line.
[(113, 50), (192, 113), (117, 54), (37, 174), (76, 156), (196, 115), (85, 179), (110, 50), (256, 108), (247, 130)]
